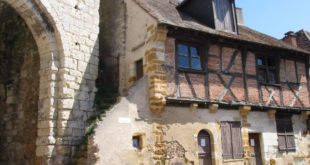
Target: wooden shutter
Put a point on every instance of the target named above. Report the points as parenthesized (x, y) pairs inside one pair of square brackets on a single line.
[(226, 140), (285, 132), (224, 19), (236, 140)]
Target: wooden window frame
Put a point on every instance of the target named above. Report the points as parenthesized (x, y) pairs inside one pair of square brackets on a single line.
[(287, 119), (235, 154), (199, 50), (268, 70)]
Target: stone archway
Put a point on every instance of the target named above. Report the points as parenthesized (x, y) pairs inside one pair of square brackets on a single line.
[(43, 62), (19, 82)]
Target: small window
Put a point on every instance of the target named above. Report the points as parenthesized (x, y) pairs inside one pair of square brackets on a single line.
[(231, 140), (286, 139), (136, 142), (139, 69), (188, 57), (267, 72)]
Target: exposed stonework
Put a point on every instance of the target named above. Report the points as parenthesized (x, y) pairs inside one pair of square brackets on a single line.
[(66, 36), (19, 81)]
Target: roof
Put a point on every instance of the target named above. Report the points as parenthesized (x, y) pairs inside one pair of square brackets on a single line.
[(307, 34), (303, 39), (166, 13)]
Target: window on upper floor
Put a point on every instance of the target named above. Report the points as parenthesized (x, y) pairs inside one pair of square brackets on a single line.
[(231, 140), (286, 139), (217, 14), (267, 70), (188, 57)]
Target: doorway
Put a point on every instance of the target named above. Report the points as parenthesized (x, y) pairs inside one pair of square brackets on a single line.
[(204, 148), (256, 156)]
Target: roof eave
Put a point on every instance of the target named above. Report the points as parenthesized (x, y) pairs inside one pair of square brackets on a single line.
[(237, 39)]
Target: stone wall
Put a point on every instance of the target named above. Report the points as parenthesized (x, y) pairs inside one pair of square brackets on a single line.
[(19, 82), (66, 35)]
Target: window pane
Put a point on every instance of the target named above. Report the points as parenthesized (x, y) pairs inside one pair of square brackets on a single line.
[(194, 52), (271, 77), (182, 49), (183, 62), (271, 62), (136, 142), (260, 61), (196, 64), (261, 75)]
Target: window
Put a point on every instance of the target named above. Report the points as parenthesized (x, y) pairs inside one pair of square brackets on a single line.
[(267, 72), (137, 142), (224, 15), (285, 132), (188, 57), (139, 69), (231, 140)]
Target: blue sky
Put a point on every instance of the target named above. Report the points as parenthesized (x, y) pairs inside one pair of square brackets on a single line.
[(276, 17)]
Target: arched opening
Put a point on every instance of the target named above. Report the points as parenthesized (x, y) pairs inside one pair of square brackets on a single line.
[(19, 89), (204, 148)]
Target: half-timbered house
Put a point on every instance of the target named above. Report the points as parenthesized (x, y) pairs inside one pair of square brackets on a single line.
[(199, 87)]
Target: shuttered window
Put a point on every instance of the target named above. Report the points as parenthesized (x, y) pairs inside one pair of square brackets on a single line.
[(285, 132), (224, 15), (231, 140)]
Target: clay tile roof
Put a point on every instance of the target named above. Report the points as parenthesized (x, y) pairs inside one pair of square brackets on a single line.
[(166, 13)]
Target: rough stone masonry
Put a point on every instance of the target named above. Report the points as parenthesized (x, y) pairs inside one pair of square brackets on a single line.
[(47, 80)]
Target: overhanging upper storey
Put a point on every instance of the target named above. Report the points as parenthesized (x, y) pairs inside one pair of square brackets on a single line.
[(217, 14)]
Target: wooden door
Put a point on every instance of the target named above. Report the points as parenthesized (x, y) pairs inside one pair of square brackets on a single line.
[(256, 156), (204, 148)]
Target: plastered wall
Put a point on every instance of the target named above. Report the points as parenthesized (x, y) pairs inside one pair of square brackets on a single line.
[(177, 128)]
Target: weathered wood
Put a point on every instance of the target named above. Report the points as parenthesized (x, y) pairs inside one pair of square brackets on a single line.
[(244, 54), (234, 105), (206, 59), (232, 60), (227, 88), (296, 94), (190, 85), (260, 93), (177, 82), (271, 94)]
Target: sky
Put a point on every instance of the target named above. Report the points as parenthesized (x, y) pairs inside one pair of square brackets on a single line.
[(276, 17)]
